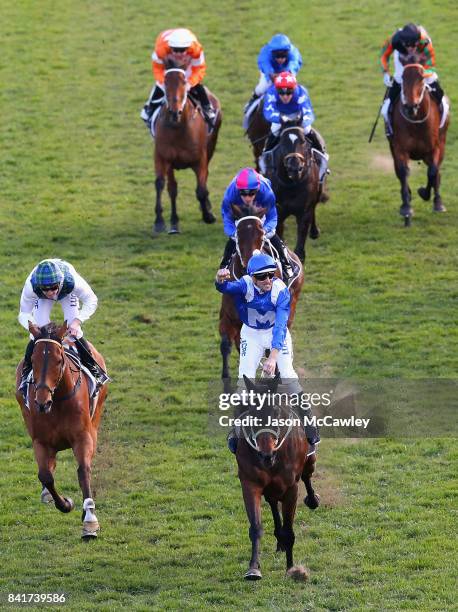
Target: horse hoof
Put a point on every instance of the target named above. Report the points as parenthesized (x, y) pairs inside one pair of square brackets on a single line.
[(209, 218), (90, 529), (315, 233), (159, 228), (69, 505), (174, 230), (312, 502), (423, 193), (439, 208), (253, 574), (46, 497), (298, 572)]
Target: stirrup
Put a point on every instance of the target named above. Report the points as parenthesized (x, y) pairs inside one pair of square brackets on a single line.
[(232, 442)]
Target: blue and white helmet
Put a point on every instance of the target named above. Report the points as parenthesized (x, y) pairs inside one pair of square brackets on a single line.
[(260, 263)]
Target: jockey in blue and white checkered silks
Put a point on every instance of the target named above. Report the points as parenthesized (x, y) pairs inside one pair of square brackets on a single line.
[(278, 55), (263, 305), (249, 188), (56, 280)]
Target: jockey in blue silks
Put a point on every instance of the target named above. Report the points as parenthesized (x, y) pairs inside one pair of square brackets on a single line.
[(249, 188), (278, 55), (287, 98), (263, 305)]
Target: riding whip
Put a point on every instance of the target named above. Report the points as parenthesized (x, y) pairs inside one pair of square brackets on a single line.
[(378, 114)]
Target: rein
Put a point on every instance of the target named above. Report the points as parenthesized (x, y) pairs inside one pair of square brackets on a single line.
[(62, 370)]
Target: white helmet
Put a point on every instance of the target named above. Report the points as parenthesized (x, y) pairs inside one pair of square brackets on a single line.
[(180, 38)]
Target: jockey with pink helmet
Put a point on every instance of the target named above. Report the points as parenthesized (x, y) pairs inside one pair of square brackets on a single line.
[(250, 189)]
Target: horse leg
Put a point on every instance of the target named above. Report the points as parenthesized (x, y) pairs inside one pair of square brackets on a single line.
[(402, 172), (160, 168), (252, 499), (172, 188), (312, 499), (314, 229), (288, 508), (84, 451), (434, 180), (46, 497), (277, 523), (44, 458), (202, 191), (280, 226), (302, 228), (225, 348)]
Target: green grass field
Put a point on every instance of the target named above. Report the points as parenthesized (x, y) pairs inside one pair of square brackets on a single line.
[(379, 302)]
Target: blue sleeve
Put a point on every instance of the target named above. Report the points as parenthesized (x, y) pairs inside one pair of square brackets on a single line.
[(294, 60), (264, 60), (268, 201), (281, 319), (232, 287), (226, 211), (307, 108), (270, 111)]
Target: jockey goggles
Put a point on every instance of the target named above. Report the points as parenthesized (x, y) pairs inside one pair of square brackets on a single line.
[(280, 54), (248, 192), (46, 288), (178, 49), (264, 275), (285, 92)]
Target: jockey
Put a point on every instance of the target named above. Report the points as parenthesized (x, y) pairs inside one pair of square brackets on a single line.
[(286, 97), (263, 305), (250, 188), (184, 50), (276, 56), (55, 280), (410, 43)]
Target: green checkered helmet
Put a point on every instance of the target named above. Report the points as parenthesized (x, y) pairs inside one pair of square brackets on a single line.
[(47, 274)]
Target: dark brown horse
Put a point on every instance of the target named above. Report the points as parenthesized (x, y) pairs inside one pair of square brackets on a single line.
[(257, 131), (296, 184), (271, 459), (250, 237), (182, 141), (416, 135), (58, 417)]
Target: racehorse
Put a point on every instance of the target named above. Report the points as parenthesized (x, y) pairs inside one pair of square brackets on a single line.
[(182, 141), (257, 131), (250, 236), (58, 417), (296, 184), (271, 460), (416, 135)]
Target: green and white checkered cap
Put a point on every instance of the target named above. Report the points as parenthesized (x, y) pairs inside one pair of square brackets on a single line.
[(47, 273)]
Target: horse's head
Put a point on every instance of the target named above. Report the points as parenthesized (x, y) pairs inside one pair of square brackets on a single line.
[(413, 89), (48, 362), (266, 438), (250, 232), (176, 92), (295, 153)]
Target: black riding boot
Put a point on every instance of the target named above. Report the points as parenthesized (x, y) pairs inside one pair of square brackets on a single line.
[(394, 92), (280, 246), (229, 250), (155, 100), (254, 97), (200, 93), (26, 368), (88, 361), (311, 431), (266, 162), (436, 91)]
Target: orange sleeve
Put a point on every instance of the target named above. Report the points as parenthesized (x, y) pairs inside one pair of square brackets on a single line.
[(198, 65), (387, 50), (161, 49)]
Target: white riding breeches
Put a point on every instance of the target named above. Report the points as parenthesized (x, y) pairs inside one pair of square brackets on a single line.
[(42, 310), (254, 343), (263, 85)]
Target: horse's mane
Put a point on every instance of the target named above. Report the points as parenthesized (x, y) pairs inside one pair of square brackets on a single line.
[(50, 330)]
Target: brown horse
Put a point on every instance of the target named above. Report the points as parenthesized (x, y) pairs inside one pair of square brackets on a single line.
[(271, 460), (257, 131), (416, 135), (250, 237), (58, 417), (296, 184), (182, 141)]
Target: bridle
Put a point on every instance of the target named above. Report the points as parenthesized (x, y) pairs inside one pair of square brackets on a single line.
[(237, 246), (416, 107), (176, 114), (302, 162), (42, 385)]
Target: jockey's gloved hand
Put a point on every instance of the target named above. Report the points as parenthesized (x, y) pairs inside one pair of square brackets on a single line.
[(388, 81)]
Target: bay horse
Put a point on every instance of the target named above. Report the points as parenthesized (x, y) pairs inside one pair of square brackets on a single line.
[(271, 460), (416, 135), (58, 417), (296, 183), (257, 131), (182, 141), (250, 237)]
